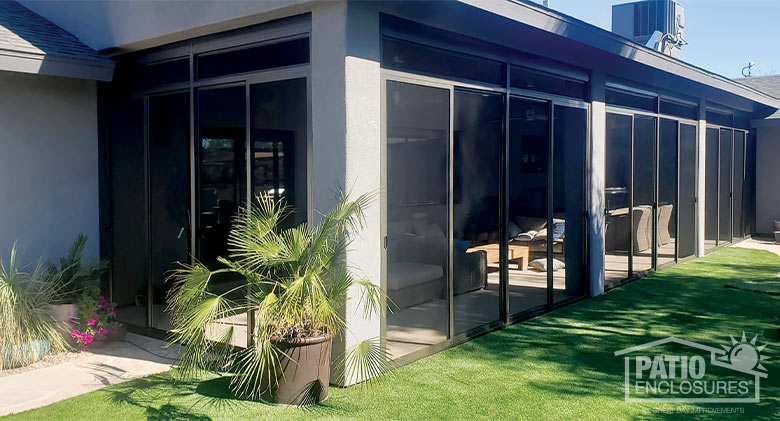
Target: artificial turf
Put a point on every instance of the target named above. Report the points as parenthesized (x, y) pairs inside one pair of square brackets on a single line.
[(560, 365)]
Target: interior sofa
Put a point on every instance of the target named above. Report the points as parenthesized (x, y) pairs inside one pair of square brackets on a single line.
[(417, 267)]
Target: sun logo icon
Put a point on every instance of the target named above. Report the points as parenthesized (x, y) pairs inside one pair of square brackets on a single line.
[(743, 355)]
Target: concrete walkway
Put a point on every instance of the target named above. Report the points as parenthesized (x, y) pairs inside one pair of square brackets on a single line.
[(115, 363), (756, 244)]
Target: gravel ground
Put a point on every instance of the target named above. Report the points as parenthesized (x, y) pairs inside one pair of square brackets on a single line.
[(47, 361)]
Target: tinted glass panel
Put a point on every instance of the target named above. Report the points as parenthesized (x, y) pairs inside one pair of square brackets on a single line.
[(750, 184), (128, 188), (279, 143), (169, 199), (570, 133), (268, 56), (711, 190), (413, 57), (739, 180), (687, 226), (618, 197), (630, 100), (535, 80), (667, 191), (690, 112), (644, 191), (418, 121), (163, 73), (221, 140), (724, 187), (527, 227), (477, 154)]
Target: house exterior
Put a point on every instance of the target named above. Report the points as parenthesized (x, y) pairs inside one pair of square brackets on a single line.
[(525, 159), (767, 131)]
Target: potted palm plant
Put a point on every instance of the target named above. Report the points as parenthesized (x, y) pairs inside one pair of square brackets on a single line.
[(78, 283), (27, 329), (296, 286)]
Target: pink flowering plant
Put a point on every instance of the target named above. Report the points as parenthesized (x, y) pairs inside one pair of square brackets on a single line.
[(96, 321)]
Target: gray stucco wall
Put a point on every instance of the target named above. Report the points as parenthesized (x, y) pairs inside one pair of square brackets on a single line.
[(767, 176), (48, 164)]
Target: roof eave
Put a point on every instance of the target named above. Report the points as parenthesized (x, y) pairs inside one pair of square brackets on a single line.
[(51, 65), (550, 21)]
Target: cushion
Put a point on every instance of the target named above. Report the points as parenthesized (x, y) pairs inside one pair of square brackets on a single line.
[(530, 224), (513, 230), (408, 274), (461, 245), (541, 264), (558, 228)]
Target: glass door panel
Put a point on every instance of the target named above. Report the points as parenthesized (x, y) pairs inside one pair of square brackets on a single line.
[(687, 208), (739, 180), (724, 187), (418, 133), (618, 197), (478, 119), (527, 202), (711, 190), (169, 195), (222, 186), (279, 142), (643, 192), (667, 191), (570, 134), (129, 263)]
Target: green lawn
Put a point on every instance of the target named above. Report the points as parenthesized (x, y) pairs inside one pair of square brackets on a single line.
[(557, 366)]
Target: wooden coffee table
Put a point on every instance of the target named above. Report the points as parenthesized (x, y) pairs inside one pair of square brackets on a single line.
[(518, 254)]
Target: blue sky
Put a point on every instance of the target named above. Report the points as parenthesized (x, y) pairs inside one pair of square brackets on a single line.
[(723, 35)]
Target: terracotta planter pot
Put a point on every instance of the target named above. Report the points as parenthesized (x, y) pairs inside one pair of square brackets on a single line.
[(61, 314), (305, 375)]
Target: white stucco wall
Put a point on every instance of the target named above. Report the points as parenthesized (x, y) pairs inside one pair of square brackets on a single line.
[(48, 164), (767, 177), (103, 24)]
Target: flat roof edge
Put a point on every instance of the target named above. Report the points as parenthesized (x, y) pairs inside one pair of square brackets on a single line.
[(555, 22)]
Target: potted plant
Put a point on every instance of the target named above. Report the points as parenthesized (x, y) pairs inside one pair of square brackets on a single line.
[(27, 330), (296, 286), (77, 280), (96, 323)]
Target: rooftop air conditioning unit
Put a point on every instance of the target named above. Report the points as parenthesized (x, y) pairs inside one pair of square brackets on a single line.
[(657, 24)]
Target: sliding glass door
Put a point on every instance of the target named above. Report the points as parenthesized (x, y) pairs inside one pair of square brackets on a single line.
[(477, 142), (739, 183), (643, 193), (418, 222), (529, 144), (617, 192), (570, 133), (724, 187), (687, 196), (666, 218), (484, 210), (169, 195)]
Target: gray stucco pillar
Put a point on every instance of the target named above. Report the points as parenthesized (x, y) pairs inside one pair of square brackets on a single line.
[(701, 151), (346, 146), (596, 178)]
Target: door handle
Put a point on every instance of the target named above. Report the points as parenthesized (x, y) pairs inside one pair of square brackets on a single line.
[(181, 232)]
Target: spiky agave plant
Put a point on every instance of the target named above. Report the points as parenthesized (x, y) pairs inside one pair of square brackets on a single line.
[(296, 285), (24, 316)]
